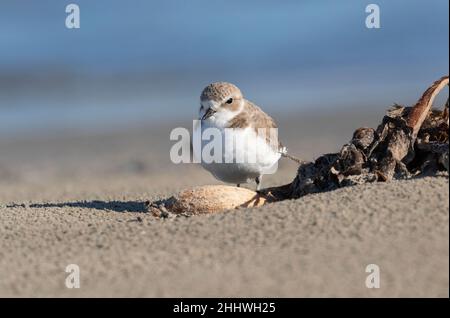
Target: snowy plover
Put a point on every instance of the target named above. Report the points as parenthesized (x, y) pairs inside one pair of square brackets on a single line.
[(253, 134)]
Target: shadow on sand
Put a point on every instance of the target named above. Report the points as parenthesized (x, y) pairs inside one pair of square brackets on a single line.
[(116, 206)]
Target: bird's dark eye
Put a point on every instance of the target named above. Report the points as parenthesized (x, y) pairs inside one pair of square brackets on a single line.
[(229, 101)]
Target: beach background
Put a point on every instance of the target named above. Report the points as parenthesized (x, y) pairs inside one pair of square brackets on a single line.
[(85, 118)]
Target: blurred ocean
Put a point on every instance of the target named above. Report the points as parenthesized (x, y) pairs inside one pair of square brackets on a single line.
[(137, 62)]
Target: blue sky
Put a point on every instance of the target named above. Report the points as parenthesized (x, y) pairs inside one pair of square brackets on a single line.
[(288, 55)]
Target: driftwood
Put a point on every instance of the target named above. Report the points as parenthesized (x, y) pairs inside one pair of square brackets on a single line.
[(410, 141)]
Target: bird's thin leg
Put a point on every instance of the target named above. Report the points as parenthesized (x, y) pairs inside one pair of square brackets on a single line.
[(238, 185), (258, 183)]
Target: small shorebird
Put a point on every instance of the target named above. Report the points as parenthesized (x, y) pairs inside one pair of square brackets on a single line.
[(223, 106)]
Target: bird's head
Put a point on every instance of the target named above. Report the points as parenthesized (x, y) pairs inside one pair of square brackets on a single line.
[(220, 101)]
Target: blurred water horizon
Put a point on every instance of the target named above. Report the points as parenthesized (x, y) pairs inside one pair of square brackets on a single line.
[(148, 62)]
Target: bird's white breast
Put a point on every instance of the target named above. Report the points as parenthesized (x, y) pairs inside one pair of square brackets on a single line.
[(244, 154)]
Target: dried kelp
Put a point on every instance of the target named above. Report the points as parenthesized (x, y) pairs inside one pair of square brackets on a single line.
[(410, 141)]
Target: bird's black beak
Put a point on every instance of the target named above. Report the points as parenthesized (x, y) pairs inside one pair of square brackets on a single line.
[(208, 113)]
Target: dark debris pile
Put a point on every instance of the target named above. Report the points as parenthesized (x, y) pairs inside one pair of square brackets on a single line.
[(409, 142)]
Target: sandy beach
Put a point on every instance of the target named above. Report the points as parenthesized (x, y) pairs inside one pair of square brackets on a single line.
[(90, 92), (80, 200)]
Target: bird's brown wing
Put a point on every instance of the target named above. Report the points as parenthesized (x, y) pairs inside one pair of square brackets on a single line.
[(253, 116)]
